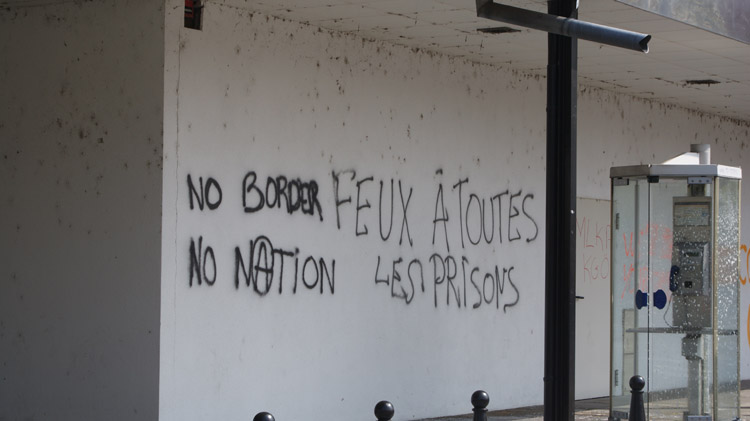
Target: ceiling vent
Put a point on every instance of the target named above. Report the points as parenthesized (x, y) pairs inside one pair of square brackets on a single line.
[(498, 30), (708, 82)]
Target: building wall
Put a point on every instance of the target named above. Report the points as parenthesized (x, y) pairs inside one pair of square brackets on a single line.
[(364, 309), (80, 160), (259, 97), (251, 319)]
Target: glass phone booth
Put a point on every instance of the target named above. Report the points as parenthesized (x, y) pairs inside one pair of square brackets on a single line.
[(674, 292)]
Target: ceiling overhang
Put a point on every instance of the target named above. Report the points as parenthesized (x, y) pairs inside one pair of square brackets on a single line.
[(686, 66), (730, 18)]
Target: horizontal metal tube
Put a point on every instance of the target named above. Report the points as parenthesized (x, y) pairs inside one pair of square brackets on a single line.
[(563, 26)]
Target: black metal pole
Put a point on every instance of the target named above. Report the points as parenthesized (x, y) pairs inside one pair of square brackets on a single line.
[(559, 320)]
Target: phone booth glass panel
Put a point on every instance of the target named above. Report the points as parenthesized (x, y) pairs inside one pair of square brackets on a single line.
[(674, 291)]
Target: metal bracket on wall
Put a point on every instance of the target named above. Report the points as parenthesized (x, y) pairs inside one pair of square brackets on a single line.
[(563, 26)]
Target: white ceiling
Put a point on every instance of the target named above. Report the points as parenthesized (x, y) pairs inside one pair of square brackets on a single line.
[(679, 53)]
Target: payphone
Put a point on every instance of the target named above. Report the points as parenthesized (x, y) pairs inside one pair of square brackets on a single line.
[(690, 284), (690, 274), (675, 301)]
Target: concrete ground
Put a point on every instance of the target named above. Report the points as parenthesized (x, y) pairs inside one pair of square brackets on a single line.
[(586, 410)]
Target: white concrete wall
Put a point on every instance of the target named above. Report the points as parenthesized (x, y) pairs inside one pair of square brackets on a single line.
[(593, 276), (80, 163), (254, 93), (80, 144), (280, 99)]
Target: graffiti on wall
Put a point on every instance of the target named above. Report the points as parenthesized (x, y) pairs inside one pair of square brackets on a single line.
[(655, 241), (593, 243), (365, 209), (744, 275)]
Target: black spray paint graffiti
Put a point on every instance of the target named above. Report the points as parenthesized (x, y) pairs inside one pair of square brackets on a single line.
[(362, 204), (203, 195), (294, 194), (264, 265), (445, 273), (478, 220), (199, 259)]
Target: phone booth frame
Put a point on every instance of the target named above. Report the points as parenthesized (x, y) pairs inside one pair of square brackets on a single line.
[(675, 288)]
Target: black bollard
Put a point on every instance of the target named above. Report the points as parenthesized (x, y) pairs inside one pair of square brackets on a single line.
[(480, 399), (637, 411), (384, 411), (263, 416)]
